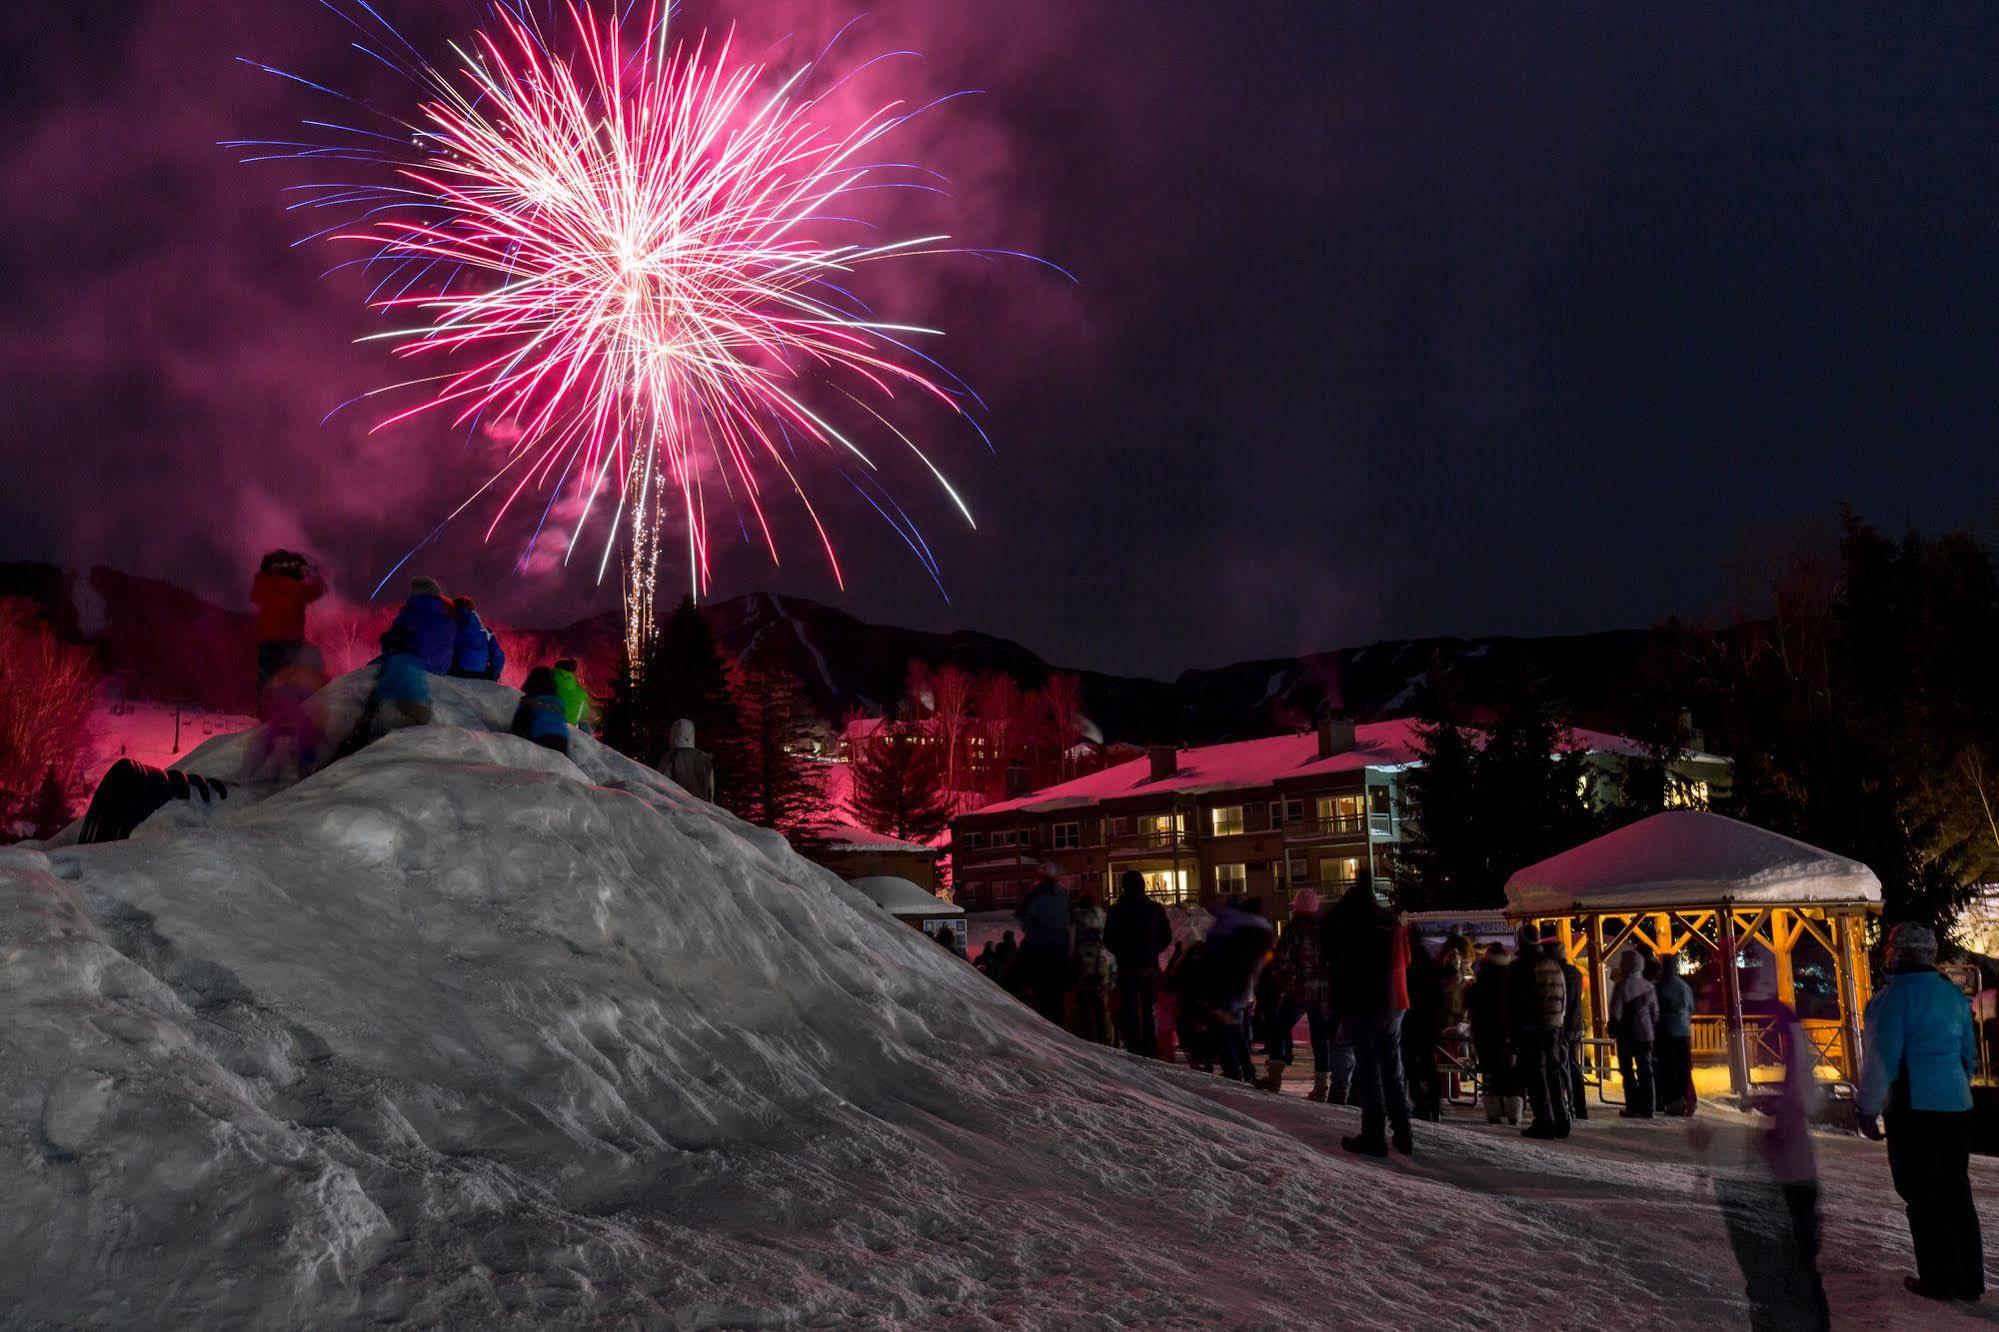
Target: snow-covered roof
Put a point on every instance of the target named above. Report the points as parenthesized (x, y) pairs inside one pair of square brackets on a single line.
[(1688, 858), (900, 897), (841, 835), (1249, 763)]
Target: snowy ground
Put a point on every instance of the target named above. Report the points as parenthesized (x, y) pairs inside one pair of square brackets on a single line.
[(461, 1032)]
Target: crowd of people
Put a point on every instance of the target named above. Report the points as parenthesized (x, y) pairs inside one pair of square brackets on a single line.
[(1395, 1027)]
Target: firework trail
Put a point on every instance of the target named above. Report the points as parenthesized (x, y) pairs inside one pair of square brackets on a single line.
[(632, 251)]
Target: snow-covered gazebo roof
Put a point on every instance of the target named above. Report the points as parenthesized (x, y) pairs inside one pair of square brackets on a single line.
[(1685, 859), (903, 899)]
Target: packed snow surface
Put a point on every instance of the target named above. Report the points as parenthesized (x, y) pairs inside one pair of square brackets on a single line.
[(459, 1031)]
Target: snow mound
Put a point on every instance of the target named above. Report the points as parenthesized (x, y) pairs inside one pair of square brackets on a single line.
[(459, 1031)]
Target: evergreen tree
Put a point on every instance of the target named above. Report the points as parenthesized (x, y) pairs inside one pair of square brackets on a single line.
[(777, 786), (1489, 800), (899, 786), (682, 675)]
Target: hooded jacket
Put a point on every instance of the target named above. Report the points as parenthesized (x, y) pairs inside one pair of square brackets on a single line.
[(1676, 1005), (1537, 992), (575, 698), (426, 629), (1634, 1008), (474, 651), (1921, 1045)]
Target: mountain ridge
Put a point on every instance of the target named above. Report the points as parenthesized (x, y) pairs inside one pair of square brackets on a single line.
[(168, 643)]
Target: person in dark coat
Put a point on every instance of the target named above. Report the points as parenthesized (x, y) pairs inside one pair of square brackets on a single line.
[(1003, 955), (1675, 1041), (1572, 1030), (1371, 981), (475, 653), (1233, 953), (1492, 1035), (1045, 945), (539, 717), (1537, 999), (425, 627), (1422, 1028), (1137, 931), (1921, 1050)]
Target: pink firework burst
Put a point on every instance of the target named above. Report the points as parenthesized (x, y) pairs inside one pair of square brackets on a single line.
[(631, 252)]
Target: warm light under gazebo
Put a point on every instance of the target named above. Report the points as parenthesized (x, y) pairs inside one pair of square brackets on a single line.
[(1686, 880)]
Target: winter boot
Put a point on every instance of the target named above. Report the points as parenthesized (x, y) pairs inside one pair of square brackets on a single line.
[(1322, 1088), (1360, 1146), (1273, 1076), (1403, 1142), (1513, 1111)]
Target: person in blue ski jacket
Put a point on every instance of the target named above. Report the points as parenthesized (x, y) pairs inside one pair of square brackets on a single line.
[(540, 717), (1920, 1051), (425, 627), (476, 652)]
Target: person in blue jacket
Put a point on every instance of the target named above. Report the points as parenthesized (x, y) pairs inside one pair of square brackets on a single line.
[(475, 653), (540, 717), (425, 627), (1921, 1048)]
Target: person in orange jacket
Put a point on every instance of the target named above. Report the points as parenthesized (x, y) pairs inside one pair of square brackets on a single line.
[(286, 583)]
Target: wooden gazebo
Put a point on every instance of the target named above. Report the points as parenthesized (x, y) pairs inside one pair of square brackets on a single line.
[(1687, 880)]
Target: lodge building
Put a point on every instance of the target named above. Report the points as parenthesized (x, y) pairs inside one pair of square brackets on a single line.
[(1256, 817)]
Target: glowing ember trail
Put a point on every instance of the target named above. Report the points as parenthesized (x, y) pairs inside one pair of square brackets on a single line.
[(630, 253)]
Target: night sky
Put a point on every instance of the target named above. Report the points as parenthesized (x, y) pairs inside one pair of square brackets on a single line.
[(1394, 319)]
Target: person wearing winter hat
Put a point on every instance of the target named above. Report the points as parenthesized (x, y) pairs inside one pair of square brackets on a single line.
[(1921, 1050), (1304, 986), (425, 628), (1634, 1020), (1537, 999), (285, 584)]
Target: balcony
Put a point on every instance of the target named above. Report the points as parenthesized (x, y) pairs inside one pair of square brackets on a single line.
[(1349, 825), (1151, 840)]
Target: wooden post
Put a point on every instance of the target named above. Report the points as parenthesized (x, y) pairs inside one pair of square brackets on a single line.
[(1849, 962), (1599, 1005), (1784, 941), (1731, 988)]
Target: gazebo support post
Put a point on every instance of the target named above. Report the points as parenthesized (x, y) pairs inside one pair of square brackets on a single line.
[(1731, 988), (1599, 1005), (1849, 997)]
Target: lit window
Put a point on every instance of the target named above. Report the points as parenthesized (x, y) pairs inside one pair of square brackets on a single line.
[(1682, 793), (1167, 886), (1226, 820), (1065, 836), (1339, 813), (1231, 880), (1339, 871)]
